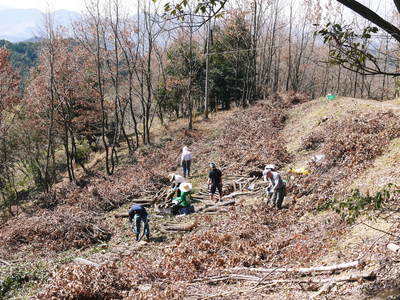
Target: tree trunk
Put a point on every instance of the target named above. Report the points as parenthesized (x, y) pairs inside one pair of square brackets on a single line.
[(206, 91)]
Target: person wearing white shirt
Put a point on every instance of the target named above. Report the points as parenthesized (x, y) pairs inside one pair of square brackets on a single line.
[(276, 186), (186, 161), (176, 181)]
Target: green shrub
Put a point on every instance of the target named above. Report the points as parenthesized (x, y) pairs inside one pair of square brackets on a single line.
[(15, 281), (18, 278), (38, 177), (357, 204), (82, 151), (12, 282)]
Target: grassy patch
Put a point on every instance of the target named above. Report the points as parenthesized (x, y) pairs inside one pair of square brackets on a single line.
[(382, 171), (17, 281)]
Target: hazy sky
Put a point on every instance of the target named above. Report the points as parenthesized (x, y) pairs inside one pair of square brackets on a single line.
[(79, 5), (76, 5)]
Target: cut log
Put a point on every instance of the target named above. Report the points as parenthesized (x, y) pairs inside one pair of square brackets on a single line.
[(121, 216), (225, 203), (178, 227), (352, 277), (216, 206), (342, 266), (143, 201), (215, 209), (86, 262), (234, 194)]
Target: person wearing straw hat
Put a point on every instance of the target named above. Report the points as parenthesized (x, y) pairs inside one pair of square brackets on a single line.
[(176, 180), (138, 213), (186, 161), (182, 203), (215, 182)]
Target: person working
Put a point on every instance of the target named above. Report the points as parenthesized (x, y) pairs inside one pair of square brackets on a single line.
[(276, 188), (139, 214), (176, 180), (186, 161), (182, 203), (215, 182)]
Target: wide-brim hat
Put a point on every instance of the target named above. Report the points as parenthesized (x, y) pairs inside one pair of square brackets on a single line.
[(185, 187)]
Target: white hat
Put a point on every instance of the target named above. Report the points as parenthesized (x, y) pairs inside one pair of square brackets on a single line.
[(185, 187), (270, 167), (171, 176)]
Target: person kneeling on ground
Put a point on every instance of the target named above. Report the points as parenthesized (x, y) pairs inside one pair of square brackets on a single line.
[(276, 188), (215, 182), (139, 214), (176, 180), (182, 203)]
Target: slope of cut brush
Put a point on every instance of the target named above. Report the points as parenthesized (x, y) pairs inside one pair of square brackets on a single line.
[(306, 118), (355, 138), (382, 171), (281, 130)]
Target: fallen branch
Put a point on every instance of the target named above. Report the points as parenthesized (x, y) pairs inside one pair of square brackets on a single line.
[(178, 227), (324, 289), (144, 201), (234, 194), (328, 283), (216, 206), (121, 216), (86, 262), (380, 230), (215, 209), (342, 266), (351, 277), (5, 262)]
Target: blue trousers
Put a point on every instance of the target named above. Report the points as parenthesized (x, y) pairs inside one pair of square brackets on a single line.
[(137, 224)]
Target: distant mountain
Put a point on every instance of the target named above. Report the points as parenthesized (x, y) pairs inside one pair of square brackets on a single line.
[(34, 39), (24, 24)]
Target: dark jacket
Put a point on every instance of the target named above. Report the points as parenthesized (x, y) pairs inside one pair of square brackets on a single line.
[(215, 177), (137, 210)]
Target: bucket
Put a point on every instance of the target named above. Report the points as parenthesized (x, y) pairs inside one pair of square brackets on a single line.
[(330, 97)]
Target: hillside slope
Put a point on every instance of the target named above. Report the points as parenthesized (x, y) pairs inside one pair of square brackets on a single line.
[(216, 258)]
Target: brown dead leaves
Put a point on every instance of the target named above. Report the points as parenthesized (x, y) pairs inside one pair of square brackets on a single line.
[(349, 145), (62, 229)]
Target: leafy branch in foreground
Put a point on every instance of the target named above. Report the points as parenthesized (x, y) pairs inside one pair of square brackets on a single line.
[(352, 50), (210, 8), (357, 204)]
